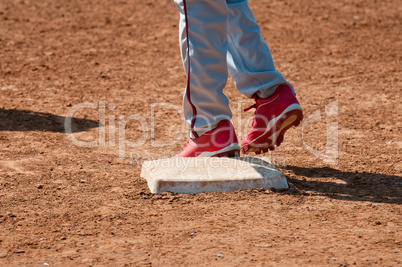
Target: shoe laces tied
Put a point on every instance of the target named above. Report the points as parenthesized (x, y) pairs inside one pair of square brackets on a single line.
[(250, 107), (255, 97)]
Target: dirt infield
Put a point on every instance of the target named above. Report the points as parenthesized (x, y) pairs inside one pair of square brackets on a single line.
[(64, 204)]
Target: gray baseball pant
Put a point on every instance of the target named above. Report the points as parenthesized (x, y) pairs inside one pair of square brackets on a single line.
[(218, 37)]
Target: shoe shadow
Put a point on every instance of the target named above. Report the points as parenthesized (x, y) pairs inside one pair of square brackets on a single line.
[(26, 120), (370, 187)]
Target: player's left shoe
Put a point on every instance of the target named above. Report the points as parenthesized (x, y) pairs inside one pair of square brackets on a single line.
[(219, 142), (273, 117)]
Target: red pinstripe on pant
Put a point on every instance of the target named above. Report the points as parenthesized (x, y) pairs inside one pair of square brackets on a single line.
[(188, 73)]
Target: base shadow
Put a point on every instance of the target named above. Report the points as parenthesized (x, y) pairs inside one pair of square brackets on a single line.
[(371, 187)]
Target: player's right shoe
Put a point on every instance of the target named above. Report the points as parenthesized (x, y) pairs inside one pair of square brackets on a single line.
[(273, 117), (219, 142)]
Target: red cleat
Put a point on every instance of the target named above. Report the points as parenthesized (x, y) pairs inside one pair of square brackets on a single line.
[(219, 142), (273, 117)]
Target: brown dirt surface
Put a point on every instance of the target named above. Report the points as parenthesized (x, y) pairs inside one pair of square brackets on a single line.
[(67, 205)]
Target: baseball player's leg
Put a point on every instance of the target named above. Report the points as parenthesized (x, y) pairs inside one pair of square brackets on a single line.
[(252, 69), (249, 59), (203, 40)]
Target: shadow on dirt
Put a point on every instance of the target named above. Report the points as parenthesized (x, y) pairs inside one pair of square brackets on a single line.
[(371, 187), (26, 120)]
